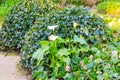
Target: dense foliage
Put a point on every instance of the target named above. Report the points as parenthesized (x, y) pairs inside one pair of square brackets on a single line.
[(1, 1), (21, 18), (73, 59), (68, 22), (69, 44), (17, 23)]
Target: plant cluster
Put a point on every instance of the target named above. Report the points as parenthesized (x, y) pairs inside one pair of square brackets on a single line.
[(74, 59), (64, 24)]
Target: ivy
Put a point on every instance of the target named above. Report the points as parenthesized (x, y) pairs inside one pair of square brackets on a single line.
[(20, 19)]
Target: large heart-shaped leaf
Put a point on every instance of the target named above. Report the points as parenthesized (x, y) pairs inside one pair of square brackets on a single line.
[(40, 52)]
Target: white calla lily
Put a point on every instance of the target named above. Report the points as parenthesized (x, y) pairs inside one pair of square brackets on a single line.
[(53, 37), (52, 27)]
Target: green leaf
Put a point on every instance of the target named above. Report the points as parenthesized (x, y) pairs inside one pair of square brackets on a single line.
[(86, 31), (63, 52), (115, 75), (40, 52), (44, 43), (68, 76), (105, 75), (67, 60), (114, 58), (53, 48), (84, 49), (100, 77), (91, 65), (80, 40), (53, 61), (99, 72), (99, 60), (40, 68)]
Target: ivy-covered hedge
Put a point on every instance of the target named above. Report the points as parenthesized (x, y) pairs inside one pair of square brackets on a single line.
[(68, 22), (18, 22), (21, 18)]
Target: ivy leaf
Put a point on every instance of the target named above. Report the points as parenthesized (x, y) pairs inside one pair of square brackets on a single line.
[(80, 40), (86, 31)]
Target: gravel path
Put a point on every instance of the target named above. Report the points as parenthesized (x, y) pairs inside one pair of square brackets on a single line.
[(8, 68)]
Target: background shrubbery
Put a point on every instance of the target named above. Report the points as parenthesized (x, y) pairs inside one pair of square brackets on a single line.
[(109, 10), (112, 8), (5, 7)]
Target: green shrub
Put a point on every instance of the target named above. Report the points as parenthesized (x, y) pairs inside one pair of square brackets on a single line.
[(74, 60), (112, 8), (71, 21), (21, 18), (18, 22)]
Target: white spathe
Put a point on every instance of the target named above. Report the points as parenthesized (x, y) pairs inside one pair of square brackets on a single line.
[(52, 27), (53, 37)]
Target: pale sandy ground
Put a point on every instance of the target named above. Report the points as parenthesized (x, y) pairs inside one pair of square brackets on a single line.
[(8, 68)]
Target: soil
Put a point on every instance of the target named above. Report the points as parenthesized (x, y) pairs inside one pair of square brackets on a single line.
[(10, 68)]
